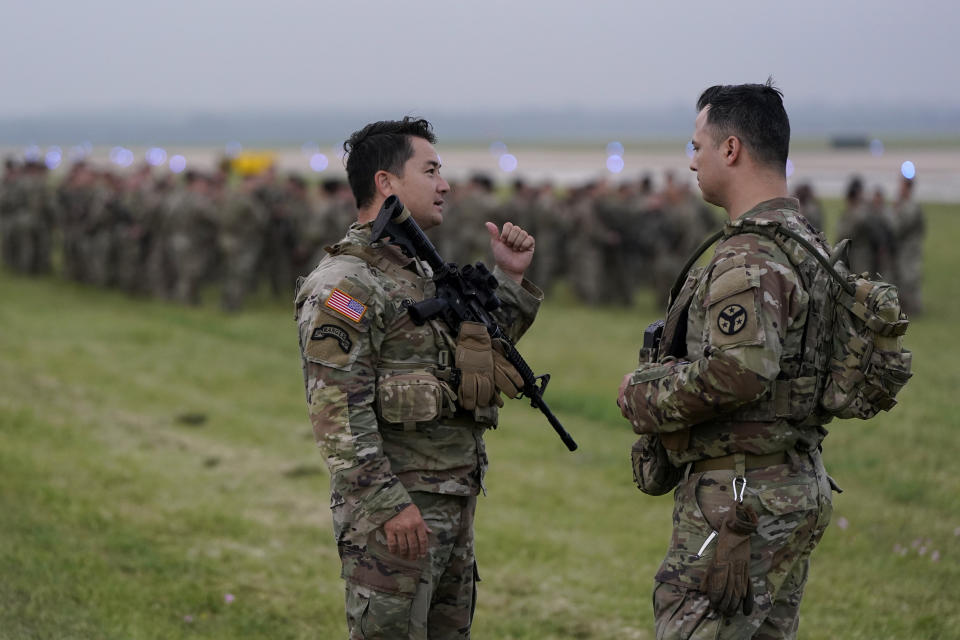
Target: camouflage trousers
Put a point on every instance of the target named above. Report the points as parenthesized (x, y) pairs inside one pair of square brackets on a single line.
[(793, 502), (392, 598)]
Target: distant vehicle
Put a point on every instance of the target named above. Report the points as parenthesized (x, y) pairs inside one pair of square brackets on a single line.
[(850, 141)]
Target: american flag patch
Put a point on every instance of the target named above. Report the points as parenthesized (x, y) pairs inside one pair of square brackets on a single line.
[(345, 305)]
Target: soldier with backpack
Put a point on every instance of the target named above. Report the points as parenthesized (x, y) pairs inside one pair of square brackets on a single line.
[(730, 403)]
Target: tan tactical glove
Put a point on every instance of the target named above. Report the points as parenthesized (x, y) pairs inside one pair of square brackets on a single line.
[(474, 358), (507, 378), (727, 581)]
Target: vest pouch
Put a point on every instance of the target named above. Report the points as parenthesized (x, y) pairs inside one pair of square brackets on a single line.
[(653, 472), (409, 398)]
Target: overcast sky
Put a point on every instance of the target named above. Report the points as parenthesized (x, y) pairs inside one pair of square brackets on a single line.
[(239, 55)]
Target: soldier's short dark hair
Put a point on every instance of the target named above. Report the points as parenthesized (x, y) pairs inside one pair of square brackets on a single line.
[(381, 146), (330, 186), (854, 189), (755, 114), (483, 181)]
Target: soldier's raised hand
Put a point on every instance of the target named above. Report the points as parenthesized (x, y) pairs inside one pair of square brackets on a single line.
[(512, 249)]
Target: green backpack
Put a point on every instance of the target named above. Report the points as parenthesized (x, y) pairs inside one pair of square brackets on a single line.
[(858, 357)]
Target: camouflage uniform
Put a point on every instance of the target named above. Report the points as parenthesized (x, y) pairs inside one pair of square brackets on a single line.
[(190, 226), (240, 236), (910, 230), (13, 198), (385, 416), (36, 222), (738, 399)]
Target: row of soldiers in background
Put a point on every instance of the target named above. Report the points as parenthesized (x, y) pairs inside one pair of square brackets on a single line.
[(887, 238), (605, 240), (168, 236)]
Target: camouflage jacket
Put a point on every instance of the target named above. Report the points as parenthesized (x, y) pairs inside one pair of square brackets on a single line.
[(737, 379), (378, 387)]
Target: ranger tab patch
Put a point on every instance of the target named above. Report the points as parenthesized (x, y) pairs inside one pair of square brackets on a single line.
[(732, 319), (345, 305), (333, 331)]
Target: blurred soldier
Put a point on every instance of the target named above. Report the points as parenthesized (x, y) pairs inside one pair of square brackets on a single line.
[(11, 201), (881, 225), (191, 236), (403, 440), (38, 220), (613, 210), (855, 225), (684, 223), (316, 230), (810, 207), (75, 196), (280, 239), (240, 234), (343, 210), (735, 431), (910, 230), (132, 233), (300, 209), (474, 203), (159, 272), (643, 232), (546, 225), (591, 240), (100, 239)]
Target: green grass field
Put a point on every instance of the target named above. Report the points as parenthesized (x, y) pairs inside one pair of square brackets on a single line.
[(158, 479)]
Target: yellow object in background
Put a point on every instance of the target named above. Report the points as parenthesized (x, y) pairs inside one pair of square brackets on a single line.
[(250, 163)]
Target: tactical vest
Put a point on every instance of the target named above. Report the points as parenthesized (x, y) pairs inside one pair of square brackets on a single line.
[(794, 396), (394, 372)]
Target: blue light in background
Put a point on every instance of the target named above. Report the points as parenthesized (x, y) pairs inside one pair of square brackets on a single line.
[(53, 158), (178, 163), (876, 148), (498, 148), (32, 153), (232, 150), (508, 162), (614, 149), (319, 162), (156, 156), (908, 170), (789, 167), (689, 149), (615, 164), (121, 156)]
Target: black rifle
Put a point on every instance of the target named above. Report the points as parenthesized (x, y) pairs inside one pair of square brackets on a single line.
[(463, 294)]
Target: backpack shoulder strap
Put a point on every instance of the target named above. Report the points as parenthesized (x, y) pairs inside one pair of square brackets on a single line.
[(692, 260)]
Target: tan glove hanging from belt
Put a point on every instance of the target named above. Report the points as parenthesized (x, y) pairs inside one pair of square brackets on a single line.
[(727, 581), (474, 357)]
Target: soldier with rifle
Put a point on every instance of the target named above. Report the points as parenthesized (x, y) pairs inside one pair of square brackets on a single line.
[(399, 404)]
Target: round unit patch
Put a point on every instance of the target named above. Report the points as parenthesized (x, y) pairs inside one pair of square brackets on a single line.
[(732, 319)]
